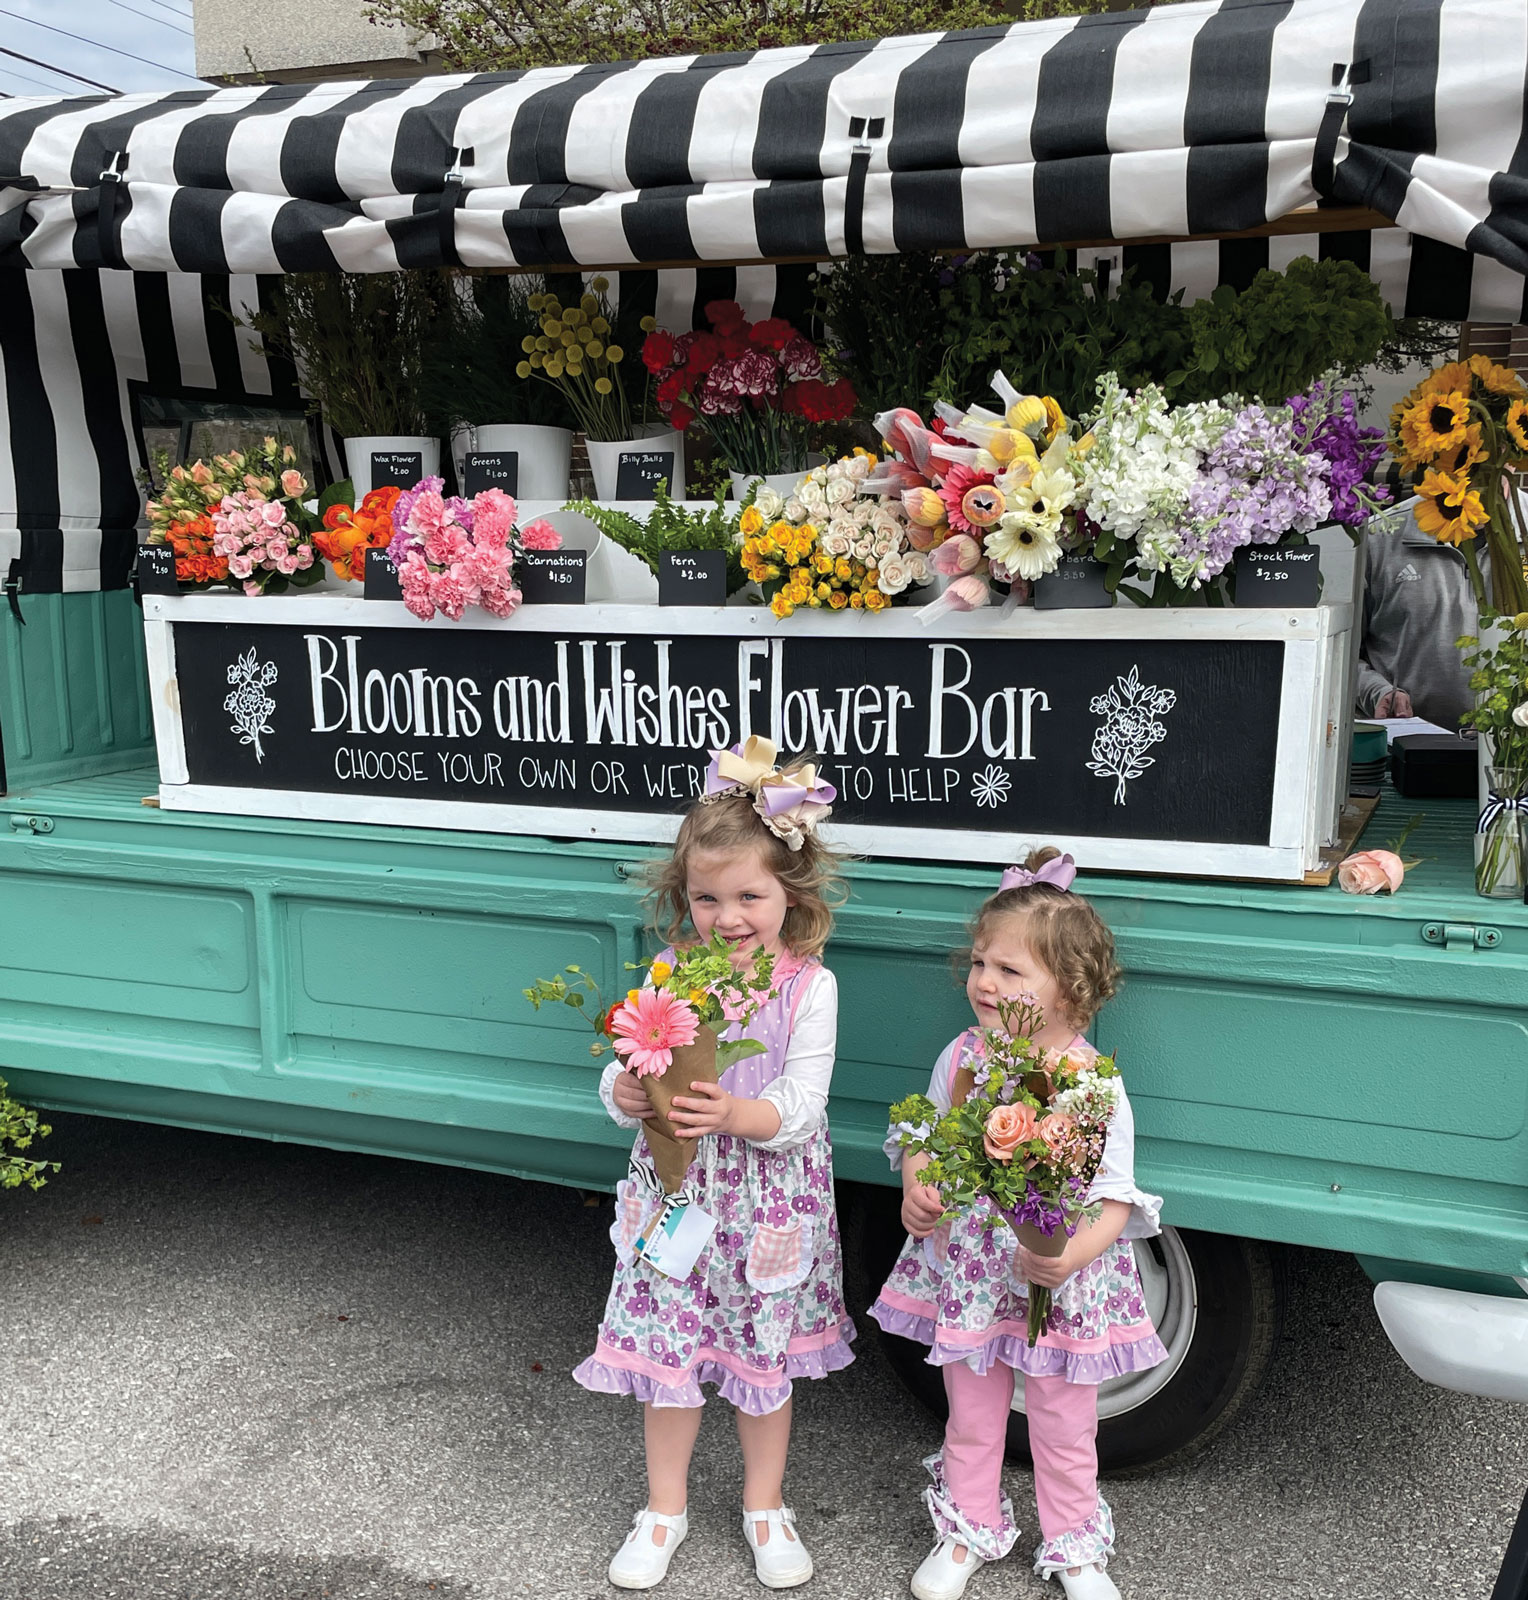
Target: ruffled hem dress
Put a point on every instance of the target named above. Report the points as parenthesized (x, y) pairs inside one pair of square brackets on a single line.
[(959, 1292), (764, 1304)]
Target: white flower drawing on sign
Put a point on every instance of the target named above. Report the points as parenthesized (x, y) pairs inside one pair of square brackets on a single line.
[(1130, 728), (249, 705), (990, 786)]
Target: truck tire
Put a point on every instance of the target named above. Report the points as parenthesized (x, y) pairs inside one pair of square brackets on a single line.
[(1217, 1302)]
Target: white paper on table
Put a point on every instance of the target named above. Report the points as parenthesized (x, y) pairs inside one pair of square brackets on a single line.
[(1397, 727)]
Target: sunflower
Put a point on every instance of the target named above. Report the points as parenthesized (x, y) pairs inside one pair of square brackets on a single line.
[(1470, 452), (1449, 509), (1498, 379), (1435, 423), (1456, 375), (1516, 424)]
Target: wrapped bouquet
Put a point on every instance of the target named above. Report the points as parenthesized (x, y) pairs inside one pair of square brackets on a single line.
[(668, 1032), (1026, 1132)]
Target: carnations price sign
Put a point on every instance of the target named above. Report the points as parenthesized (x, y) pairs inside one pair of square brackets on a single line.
[(1138, 741)]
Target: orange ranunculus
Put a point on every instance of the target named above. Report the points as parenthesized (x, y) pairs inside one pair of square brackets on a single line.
[(337, 516), (1007, 1127)]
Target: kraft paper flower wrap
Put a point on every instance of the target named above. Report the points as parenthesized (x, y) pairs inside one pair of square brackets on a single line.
[(1025, 1131), (669, 1032)]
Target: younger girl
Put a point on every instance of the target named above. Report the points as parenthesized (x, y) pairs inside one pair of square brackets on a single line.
[(764, 1303), (961, 1287)]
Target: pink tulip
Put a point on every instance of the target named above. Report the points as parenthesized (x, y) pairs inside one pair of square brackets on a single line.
[(956, 556)]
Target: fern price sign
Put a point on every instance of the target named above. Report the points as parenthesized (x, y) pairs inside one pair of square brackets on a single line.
[(1185, 742)]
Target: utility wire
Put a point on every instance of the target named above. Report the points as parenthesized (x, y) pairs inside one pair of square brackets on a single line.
[(62, 72), (96, 44), (174, 9), (26, 77), (148, 16)]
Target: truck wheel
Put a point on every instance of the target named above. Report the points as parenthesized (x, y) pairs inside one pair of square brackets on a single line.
[(1217, 1305)]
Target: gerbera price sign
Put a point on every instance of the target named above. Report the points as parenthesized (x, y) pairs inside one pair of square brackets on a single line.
[(1137, 740)]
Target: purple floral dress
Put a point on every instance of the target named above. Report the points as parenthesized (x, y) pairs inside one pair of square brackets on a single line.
[(765, 1302), (959, 1292)]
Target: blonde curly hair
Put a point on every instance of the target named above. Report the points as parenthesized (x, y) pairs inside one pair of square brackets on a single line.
[(1069, 938), (729, 825)]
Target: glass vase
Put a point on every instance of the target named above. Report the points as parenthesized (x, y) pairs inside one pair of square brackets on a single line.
[(1499, 835)]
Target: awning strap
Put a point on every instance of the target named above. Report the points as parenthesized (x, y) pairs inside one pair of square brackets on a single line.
[(1324, 163), (13, 589), (106, 210), (450, 199), (862, 130)]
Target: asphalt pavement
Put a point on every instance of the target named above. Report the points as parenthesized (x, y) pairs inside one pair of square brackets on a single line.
[(233, 1370)]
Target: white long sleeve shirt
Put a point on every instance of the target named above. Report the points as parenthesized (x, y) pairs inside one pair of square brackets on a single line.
[(800, 1093), (1115, 1178)]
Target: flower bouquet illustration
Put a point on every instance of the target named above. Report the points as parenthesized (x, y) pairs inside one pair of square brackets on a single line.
[(249, 705), (1130, 728)]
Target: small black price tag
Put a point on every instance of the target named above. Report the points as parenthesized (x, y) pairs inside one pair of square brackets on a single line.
[(491, 469), (381, 580), (156, 570), (638, 472), (1289, 577), (692, 578), (553, 577), (1076, 584), (396, 469)]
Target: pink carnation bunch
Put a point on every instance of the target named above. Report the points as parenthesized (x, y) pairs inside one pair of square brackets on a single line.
[(458, 553), (263, 547)]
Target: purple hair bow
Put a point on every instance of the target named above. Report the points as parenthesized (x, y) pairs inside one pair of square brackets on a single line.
[(790, 804), (1058, 872)]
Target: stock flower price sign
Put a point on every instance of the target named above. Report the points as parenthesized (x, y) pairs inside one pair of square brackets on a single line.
[(1141, 741)]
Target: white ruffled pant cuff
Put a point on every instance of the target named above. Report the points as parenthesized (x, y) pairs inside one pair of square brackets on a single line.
[(991, 1544), (1090, 1545)]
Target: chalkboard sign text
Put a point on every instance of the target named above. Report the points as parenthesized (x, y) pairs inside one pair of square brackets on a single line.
[(381, 577), (1076, 584), (639, 472), (553, 577), (491, 469), (398, 469), (692, 578), (156, 570), (1290, 577)]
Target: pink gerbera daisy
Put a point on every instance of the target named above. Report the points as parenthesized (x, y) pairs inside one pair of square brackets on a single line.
[(959, 480), (649, 1028)]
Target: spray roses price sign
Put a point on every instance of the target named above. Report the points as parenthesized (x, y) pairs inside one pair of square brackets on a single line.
[(1147, 741)]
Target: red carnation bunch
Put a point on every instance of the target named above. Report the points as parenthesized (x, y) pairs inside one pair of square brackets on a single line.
[(756, 386)]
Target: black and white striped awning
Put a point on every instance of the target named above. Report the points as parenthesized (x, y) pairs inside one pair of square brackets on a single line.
[(1182, 120)]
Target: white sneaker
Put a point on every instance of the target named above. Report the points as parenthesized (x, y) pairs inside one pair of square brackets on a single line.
[(641, 1564), (1092, 1583), (782, 1561), (942, 1577)]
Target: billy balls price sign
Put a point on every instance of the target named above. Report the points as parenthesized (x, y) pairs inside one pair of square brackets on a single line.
[(1108, 737)]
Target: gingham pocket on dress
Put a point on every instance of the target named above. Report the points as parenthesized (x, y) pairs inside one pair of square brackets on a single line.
[(780, 1258), (632, 1205)]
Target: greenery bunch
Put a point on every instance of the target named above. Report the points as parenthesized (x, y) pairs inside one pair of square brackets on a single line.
[(1499, 680), (19, 1127), (359, 342), (671, 525)]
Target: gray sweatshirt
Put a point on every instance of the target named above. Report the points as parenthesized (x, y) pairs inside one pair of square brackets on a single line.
[(1417, 602)]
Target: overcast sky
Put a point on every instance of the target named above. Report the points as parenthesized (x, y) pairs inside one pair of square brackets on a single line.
[(122, 44)]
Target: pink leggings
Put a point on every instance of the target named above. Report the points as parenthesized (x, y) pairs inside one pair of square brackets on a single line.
[(1063, 1425)]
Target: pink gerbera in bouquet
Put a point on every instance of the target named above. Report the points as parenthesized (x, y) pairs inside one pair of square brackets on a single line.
[(668, 1031), (1025, 1133), (452, 553)]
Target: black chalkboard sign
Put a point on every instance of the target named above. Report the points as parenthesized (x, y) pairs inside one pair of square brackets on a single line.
[(553, 577), (381, 577), (1095, 737), (1288, 577), (399, 469), (692, 578), (639, 472), (491, 469), (156, 570), (1076, 584)]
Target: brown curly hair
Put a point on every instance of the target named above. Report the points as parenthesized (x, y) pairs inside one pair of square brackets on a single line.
[(729, 825), (1069, 938)]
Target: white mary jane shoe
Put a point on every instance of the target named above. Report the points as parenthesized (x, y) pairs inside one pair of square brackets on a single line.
[(942, 1577), (782, 1561), (1089, 1584), (641, 1564)]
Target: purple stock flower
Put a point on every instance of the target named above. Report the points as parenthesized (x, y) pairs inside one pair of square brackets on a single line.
[(1326, 423)]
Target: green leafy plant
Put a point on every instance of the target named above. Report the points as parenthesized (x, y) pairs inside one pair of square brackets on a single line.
[(468, 373), (19, 1128), (1499, 681), (673, 526), (359, 339)]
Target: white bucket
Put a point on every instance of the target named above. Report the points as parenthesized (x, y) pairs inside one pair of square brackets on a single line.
[(544, 455), (358, 454), (783, 483), (605, 458)]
